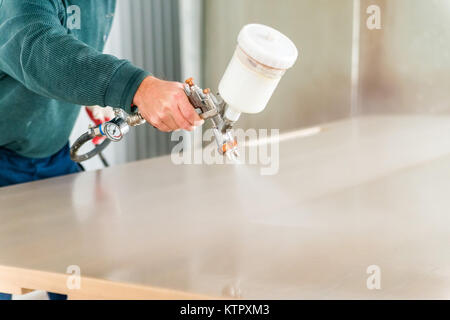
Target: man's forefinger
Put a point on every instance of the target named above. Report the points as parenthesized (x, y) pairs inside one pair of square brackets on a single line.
[(189, 113)]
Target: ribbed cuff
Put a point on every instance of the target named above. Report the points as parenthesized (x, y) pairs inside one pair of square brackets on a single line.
[(123, 86)]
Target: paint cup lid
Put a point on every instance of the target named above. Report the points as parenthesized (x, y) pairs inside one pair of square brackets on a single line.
[(268, 46)]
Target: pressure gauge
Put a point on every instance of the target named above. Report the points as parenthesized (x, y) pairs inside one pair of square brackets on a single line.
[(115, 129), (112, 131)]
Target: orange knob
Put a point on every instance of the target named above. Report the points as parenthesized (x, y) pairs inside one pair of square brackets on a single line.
[(224, 148), (228, 146), (190, 82), (206, 91)]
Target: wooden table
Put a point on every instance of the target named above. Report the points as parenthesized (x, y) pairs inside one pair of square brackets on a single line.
[(365, 191)]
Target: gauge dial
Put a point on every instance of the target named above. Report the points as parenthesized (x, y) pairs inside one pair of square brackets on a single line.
[(113, 131)]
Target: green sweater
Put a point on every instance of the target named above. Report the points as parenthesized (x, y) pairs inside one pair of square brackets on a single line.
[(51, 64)]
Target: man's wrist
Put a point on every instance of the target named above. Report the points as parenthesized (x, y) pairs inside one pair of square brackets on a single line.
[(123, 86), (143, 87)]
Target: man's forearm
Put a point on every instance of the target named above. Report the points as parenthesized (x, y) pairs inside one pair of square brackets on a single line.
[(36, 50)]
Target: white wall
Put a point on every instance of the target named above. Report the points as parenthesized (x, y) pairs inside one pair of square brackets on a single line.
[(318, 88)]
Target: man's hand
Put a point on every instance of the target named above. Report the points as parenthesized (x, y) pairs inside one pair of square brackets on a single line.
[(164, 105)]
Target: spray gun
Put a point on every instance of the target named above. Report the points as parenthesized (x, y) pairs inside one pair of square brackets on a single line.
[(261, 58), (208, 106)]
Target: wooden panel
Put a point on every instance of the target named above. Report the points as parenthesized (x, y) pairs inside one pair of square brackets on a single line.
[(13, 280), (367, 191)]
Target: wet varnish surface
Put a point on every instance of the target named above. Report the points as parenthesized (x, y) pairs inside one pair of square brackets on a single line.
[(362, 192)]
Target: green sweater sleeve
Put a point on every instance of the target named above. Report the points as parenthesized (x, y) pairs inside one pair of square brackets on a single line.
[(37, 50)]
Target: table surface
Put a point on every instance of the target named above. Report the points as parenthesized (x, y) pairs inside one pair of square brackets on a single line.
[(365, 191)]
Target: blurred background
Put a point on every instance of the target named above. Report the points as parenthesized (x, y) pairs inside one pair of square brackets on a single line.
[(344, 70)]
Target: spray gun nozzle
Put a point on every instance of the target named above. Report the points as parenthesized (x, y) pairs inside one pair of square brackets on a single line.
[(230, 145)]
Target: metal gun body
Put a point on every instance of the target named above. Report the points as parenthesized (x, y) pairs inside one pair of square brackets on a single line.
[(212, 107)]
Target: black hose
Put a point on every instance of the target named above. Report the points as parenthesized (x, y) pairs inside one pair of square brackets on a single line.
[(88, 155)]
